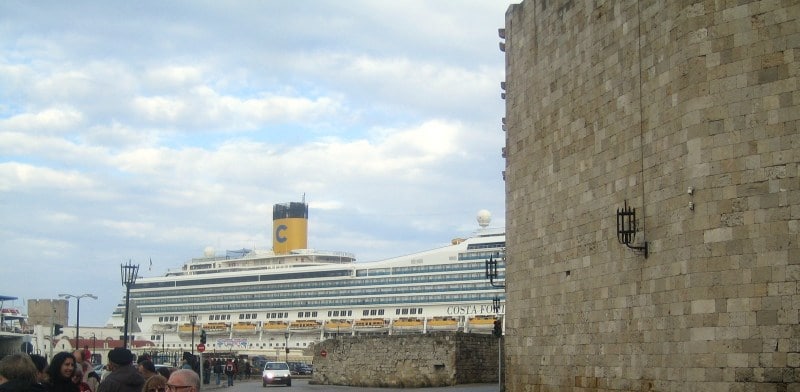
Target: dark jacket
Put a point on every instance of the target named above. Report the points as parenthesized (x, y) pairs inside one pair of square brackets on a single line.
[(60, 386), (123, 379), (21, 386)]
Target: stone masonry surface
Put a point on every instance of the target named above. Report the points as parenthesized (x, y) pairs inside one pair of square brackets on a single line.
[(689, 111), (408, 361)]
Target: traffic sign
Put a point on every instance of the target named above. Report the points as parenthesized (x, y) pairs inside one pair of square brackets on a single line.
[(201, 347), (323, 353)]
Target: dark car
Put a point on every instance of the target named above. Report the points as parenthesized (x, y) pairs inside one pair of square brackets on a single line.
[(304, 369), (276, 373)]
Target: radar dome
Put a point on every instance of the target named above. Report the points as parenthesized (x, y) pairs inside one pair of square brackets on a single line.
[(484, 218), (208, 251)]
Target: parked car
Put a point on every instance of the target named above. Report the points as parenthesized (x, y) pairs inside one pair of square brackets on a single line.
[(304, 369), (276, 373)]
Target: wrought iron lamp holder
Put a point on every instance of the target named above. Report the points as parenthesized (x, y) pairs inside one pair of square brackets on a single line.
[(626, 228), (491, 272)]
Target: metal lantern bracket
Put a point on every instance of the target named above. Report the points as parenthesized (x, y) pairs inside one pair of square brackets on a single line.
[(496, 304), (491, 272), (626, 228)]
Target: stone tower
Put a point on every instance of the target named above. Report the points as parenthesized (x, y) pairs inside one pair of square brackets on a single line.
[(689, 113)]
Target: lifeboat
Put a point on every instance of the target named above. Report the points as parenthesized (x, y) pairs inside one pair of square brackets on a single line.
[(408, 324), (216, 328), (371, 325), (443, 324), (187, 329), (305, 326), (245, 328), (275, 326), (481, 322), (338, 325)]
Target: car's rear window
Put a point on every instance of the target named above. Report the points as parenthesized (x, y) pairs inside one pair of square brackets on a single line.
[(276, 366)]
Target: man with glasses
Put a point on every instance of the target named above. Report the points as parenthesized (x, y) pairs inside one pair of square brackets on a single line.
[(183, 380), (124, 377)]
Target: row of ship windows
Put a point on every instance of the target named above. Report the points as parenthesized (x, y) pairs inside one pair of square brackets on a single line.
[(424, 269), (489, 245), (283, 315), (325, 303), (222, 346), (331, 313), (291, 287), (304, 295), (316, 276)]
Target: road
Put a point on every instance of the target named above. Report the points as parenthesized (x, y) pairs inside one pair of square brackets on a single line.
[(301, 385)]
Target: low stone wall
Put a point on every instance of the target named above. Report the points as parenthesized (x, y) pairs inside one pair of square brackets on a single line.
[(406, 361)]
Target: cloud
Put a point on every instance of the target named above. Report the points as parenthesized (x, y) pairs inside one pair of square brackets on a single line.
[(206, 108), (146, 130), (51, 120), (17, 176)]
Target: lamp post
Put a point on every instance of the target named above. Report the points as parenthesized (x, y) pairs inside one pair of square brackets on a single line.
[(193, 320), (129, 273), (286, 346), (78, 314), (94, 347)]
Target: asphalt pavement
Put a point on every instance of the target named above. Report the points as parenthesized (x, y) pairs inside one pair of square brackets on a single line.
[(301, 385)]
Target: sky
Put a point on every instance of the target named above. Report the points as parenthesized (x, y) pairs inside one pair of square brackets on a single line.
[(149, 130)]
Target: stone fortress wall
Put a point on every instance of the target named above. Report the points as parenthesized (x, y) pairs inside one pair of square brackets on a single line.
[(407, 361), (690, 112)]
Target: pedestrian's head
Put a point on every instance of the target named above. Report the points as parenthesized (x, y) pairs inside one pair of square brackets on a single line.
[(156, 383), (183, 380), (77, 375), (78, 354), (61, 368), (41, 364), (17, 367), (146, 367), (142, 358), (164, 371), (120, 356)]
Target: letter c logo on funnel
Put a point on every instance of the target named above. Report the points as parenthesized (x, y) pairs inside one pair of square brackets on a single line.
[(279, 233)]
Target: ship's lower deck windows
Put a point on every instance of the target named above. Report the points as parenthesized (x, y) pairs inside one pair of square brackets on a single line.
[(199, 305)]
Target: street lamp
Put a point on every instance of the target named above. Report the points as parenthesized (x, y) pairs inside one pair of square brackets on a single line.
[(78, 317), (193, 320), (94, 347), (286, 346), (129, 273)]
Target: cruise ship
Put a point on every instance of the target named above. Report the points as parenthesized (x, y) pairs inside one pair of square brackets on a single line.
[(259, 302)]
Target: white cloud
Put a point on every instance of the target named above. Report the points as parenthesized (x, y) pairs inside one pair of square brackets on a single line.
[(179, 126), (173, 76), (47, 121), (206, 108), (18, 176)]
